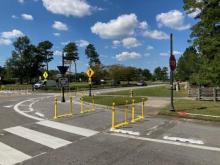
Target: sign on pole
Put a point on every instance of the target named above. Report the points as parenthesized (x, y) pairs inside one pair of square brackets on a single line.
[(63, 82), (172, 62), (45, 75), (90, 72)]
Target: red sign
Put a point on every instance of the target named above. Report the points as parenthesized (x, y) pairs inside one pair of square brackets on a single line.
[(172, 62)]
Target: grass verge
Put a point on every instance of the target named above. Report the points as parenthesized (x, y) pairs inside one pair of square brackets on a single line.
[(162, 91), (108, 100), (203, 110)]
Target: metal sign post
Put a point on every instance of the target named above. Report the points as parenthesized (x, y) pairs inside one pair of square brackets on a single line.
[(172, 62), (90, 73)]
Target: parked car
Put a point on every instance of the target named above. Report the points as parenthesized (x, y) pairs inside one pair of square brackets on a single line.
[(141, 83), (39, 84)]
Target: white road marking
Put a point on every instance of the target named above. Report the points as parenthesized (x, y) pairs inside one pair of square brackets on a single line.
[(152, 129), (185, 140), (68, 128), (125, 132), (169, 142), (8, 106), (39, 114), (9, 155), (38, 137), (193, 114)]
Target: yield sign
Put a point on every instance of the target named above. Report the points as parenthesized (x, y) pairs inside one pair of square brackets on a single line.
[(90, 72), (45, 75)]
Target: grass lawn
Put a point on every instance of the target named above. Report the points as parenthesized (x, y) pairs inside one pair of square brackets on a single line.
[(108, 100), (162, 91), (195, 107)]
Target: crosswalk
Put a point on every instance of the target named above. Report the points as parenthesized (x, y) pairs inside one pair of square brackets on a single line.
[(12, 153)]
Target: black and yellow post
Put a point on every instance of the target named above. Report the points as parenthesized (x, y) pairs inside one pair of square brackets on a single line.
[(131, 93), (90, 86), (135, 118), (83, 110)]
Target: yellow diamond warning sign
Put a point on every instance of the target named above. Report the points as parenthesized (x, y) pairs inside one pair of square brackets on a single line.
[(90, 72), (45, 75)]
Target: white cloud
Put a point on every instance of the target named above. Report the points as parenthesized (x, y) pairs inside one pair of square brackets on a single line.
[(14, 16), (149, 47), (60, 26), (155, 34), (122, 26), (82, 43), (65, 43), (116, 42), (21, 1), (127, 56), (146, 54), (77, 8), (193, 12), (12, 34), (27, 17), (6, 38), (143, 25), (164, 54), (56, 34), (130, 42), (175, 52), (57, 53), (173, 19)]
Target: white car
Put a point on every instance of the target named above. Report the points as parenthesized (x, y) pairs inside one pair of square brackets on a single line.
[(39, 84)]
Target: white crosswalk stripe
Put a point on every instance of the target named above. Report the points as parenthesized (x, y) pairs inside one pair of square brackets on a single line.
[(38, 137), (68, 128), (9, 155)]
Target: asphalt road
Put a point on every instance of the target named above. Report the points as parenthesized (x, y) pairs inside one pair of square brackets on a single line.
[(87, 139)]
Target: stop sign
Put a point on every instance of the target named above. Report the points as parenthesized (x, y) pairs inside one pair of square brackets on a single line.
[(172, 62)]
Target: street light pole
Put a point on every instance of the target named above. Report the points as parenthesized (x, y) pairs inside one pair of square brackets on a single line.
[(171, 73), (63, 97)]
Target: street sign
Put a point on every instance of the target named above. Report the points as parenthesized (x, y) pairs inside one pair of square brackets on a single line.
[(63, 82), (90, 72), (45, 75), (172, 62), (62, 69)]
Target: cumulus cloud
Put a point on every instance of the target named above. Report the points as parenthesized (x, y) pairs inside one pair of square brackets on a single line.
[(175, 52), (164, 54), (6, 38), (127, 56), (27, 17), (149, 47), (130, 42), (194, 12), (77, 8), (14, 16), (56, 34), (143, 25), (155, 34), (21, 1), (173, 19), (122, 26), (82, 43), (57, 53), (60, 26)]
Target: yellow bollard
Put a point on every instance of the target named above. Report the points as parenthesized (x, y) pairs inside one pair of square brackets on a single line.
[(113, 115), (126, 112), (82, 105), (55, 108), (142, 116), (133, 111), (71, 105)]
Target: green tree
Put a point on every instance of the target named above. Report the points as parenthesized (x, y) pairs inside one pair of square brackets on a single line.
[(92, 55), (71, 54), (205, 37), (157, 73), (44, 52), (147, 74), (187, 64)]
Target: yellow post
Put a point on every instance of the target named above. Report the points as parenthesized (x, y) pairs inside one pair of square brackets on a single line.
[(113, 115), (82, 106), (142, 116), (55, 108), (126, 112), (133, 111), (71, 105), (93, 103)]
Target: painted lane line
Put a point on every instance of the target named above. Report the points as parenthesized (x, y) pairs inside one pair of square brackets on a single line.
[(68, 128), (38, 137), (185, 140), (8, 106), (125, 132), (152, 129), (40, 114), (9, 155), (193, 114), (16, 108), (202, 147)]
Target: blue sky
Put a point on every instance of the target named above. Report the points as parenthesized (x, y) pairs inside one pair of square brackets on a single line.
[(128, 32)]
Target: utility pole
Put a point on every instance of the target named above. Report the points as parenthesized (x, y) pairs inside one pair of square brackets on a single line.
[(172, 68)]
